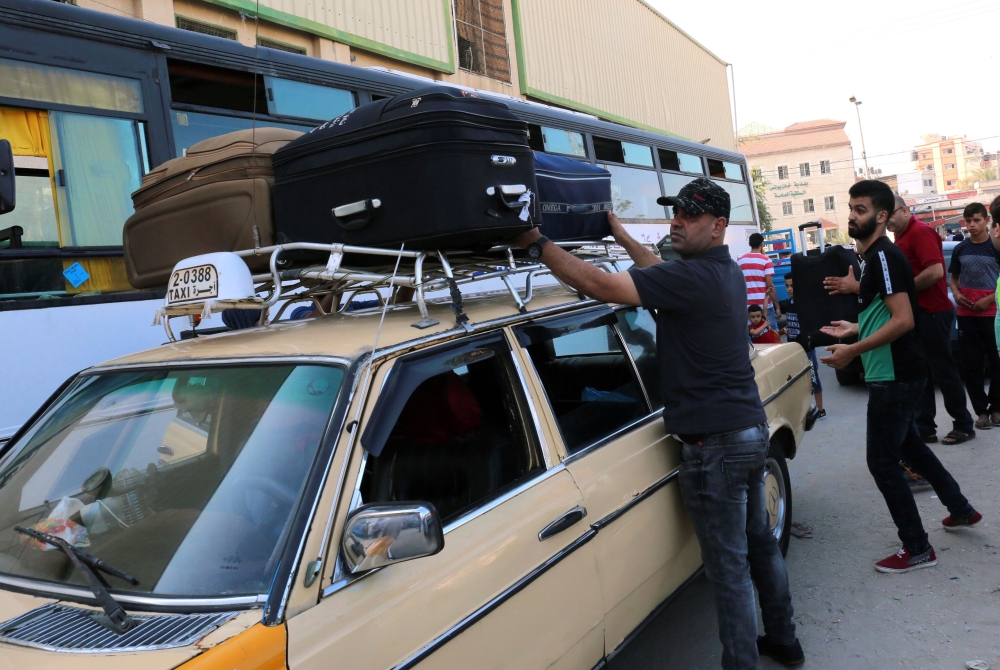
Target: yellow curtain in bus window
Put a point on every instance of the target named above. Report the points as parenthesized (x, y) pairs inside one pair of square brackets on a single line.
[(26, 130)]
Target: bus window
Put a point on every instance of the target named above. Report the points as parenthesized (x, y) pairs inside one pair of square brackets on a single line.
[(638, 154), (740, 203), (207, 86), (724, 170), (678, 162), (193, 127), (535, 137), (35, 211), (44, 83), (556, 141), (608, 150), (97, 168), (634, 193), (286, 97), (672, 184)]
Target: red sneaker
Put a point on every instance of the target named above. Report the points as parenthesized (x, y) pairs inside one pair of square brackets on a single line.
[(952, 524), (902, 561)]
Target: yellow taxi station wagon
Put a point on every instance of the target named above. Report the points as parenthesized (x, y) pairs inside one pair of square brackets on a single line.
[(474, 481)]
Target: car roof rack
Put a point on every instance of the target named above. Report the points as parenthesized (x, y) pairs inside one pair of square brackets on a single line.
[(355, 270)]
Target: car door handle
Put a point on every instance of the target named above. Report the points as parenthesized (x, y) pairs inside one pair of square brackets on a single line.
[(562, 523)]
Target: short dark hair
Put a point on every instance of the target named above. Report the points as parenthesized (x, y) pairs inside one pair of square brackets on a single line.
[(995, 210), (882, 197), (974, 208), (755, 308), (756, 240), (788, 278)]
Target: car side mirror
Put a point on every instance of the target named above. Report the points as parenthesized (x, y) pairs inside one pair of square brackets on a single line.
[(381, 534), (6, 177)]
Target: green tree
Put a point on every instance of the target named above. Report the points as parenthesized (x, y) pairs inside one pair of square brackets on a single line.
[(760, 184)]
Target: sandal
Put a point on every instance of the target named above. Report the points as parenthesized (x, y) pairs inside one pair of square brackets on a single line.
[(995, 418), (957, 437), (983, 422), (929, 439)]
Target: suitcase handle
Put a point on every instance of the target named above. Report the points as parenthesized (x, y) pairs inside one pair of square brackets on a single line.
[(344, 211), (515, 190)]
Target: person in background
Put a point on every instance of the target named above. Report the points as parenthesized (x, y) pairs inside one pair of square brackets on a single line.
[(761, 332), (895, 373), (711, 403), (995, 215), (758, 272), (935, 315), (975, 269), (792, 332), (957, 236)]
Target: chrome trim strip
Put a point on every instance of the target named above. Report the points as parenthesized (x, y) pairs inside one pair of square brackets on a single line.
[(514, 492), (621, 511), (299, 360), (542, 442), (498, 600), (791, 381), (149, 601), (483, 326), (635, 368), (658, 414)]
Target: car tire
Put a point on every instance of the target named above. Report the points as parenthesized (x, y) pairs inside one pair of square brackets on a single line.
[(853, 374), (778, 494)]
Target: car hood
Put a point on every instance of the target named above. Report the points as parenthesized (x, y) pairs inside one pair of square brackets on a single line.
[(13, 605)]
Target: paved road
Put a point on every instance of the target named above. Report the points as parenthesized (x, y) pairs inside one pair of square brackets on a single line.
[(849, 616)]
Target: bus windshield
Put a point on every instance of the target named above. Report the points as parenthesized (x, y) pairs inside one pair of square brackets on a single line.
[(185, 478)]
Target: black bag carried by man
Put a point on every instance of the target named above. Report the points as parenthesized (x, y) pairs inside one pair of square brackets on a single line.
[(816, 307), (436, 168), (574, 198)]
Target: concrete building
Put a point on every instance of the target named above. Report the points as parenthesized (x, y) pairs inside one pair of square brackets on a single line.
[(955, 160), (620, 60), (809, 167), (911, 184)]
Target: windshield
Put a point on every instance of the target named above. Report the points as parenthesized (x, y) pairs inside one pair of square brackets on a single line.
[(187, 479)]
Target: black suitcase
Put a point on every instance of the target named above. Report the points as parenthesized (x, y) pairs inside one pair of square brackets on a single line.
[(435, 168), (816, 307), (574, 198)]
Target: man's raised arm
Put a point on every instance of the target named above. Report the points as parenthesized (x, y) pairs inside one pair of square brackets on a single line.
[(640, 253)]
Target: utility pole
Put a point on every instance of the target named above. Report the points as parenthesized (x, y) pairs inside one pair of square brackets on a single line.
[(864, 154)]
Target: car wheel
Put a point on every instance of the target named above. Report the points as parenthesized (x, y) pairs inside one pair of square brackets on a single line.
[(778, 495)]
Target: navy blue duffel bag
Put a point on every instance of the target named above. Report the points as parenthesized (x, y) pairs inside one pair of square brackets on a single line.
[(574, 198)]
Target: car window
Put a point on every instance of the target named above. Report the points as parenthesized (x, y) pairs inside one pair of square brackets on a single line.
[(590, 383), (638, 328), (186, 478), (460, 430)]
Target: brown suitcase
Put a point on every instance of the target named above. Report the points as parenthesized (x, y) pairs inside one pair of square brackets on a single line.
[(215, 198)]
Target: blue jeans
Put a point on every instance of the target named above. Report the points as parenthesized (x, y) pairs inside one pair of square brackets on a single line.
[(722, 484), (892, 437)]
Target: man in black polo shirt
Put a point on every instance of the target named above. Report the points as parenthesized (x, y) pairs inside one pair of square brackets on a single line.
[(711, 403), (895, 373)]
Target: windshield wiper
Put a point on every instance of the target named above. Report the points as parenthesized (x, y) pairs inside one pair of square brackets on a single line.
[(116, 619)]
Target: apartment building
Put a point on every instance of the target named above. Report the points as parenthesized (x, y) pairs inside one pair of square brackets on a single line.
[(955, 160), (809, 167)]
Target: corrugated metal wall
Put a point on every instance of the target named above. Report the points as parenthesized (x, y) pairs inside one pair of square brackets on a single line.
[(622, 59), (416, 26)]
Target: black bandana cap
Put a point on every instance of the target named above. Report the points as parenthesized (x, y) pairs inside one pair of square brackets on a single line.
[(700, 196)]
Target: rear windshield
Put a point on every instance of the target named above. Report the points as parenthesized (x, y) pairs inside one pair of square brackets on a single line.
[(187, 479)]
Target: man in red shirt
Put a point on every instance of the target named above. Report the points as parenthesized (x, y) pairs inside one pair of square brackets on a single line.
[(922, 247)]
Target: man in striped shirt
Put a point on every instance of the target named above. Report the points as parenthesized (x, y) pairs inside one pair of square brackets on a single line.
[(758, 272)]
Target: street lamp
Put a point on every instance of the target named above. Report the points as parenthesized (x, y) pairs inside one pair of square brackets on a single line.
[(864, 154)]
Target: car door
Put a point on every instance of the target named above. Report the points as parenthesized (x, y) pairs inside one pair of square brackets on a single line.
[(452, 426), (600, 375)]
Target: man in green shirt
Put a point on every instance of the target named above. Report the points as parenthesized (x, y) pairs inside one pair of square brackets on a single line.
[(895, 373)]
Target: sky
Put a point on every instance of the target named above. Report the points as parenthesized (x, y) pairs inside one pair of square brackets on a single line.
[(917, 66)]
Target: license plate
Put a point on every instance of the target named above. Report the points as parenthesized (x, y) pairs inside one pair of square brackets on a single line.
[(197, 283)]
